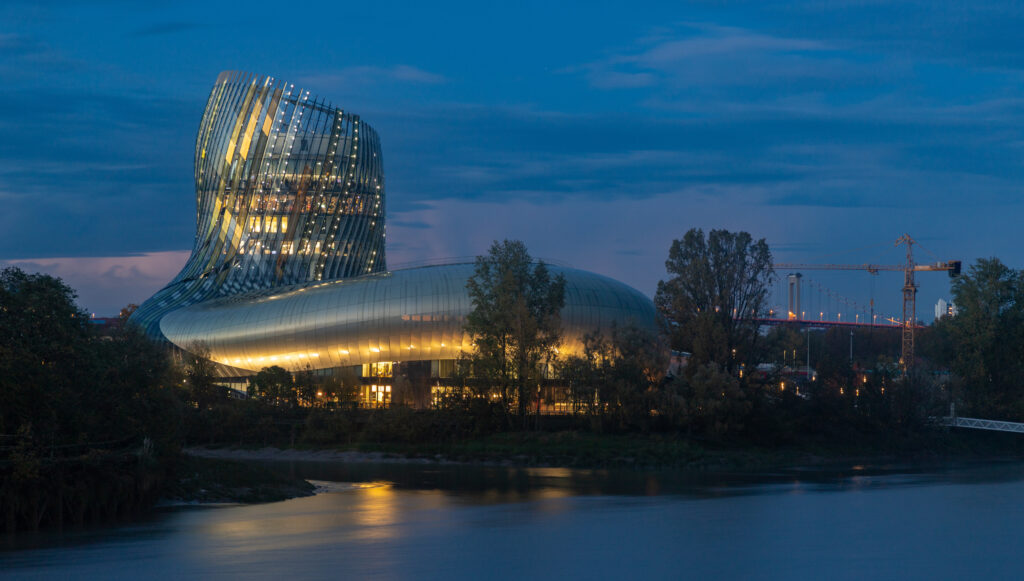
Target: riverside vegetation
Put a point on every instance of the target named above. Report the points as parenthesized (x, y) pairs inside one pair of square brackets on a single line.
[(92, 424)]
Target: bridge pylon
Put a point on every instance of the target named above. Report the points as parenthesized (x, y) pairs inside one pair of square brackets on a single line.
[(794, 295)]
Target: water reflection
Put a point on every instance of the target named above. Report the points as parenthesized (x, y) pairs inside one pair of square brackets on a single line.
[(492, 484), (462, 522)]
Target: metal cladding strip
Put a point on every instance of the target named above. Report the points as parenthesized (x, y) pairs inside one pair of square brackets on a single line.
[(265, 163), (405, 315)]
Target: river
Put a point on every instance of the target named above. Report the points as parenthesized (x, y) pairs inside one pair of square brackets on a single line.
[(428, 521)]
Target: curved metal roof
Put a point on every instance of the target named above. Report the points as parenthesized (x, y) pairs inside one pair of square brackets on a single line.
[(405, 315)]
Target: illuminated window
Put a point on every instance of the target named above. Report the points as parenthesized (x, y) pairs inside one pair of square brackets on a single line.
[(382, 369), (442, 368)]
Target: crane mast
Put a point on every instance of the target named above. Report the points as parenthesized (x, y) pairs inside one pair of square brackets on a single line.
[(909, 305)]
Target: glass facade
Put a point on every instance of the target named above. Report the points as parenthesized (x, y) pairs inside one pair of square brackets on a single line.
[(288, 190), (288, 266)]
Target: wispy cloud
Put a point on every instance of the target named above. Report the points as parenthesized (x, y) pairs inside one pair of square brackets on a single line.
[(103, 170), (699, 60), (361, 77), (414, 75), (51, 167), (981, 34), (24, 55), (162, 29), (604, 77), (414, 224)]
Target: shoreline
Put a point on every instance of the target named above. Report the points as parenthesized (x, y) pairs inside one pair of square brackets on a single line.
[(272, 453), (726, 460)]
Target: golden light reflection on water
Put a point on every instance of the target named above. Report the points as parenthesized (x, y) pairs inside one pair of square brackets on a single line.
[(552, 500), (537, 499), (377, 510), (551, 493), (364, 512), (549, 472)]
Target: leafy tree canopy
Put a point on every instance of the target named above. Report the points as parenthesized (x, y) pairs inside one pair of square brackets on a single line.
[(515, 320), (616, 374), (274, 385), (61, 384), (987, 337), (716, 284)]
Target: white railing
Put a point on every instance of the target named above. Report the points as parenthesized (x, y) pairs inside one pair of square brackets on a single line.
[(979, 424), (953, 421)]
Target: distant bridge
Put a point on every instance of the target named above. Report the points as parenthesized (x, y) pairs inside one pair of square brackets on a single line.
[(823, 323)]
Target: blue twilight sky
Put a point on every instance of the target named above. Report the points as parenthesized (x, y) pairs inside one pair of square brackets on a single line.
[(594, 131)]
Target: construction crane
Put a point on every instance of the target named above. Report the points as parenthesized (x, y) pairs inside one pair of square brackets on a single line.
[(909, 287)]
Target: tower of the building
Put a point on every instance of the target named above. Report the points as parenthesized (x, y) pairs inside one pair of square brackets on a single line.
[(288, 190)]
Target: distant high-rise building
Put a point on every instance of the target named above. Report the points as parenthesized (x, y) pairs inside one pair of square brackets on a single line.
[(944, 309)]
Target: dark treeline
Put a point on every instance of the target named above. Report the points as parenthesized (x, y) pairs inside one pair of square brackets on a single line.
[(85, 419)]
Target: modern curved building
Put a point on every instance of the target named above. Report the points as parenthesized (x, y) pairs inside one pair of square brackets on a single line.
[(407, 315), (289, 268)]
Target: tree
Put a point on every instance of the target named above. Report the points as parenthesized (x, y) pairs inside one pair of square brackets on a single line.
[(201, 377), (987, 336), (515, 321), (61, 384), (137, 383), (306, 387), (344, 387), (708, 402), (716, 286), (127, 311), (584, 374), (45, 355), (273, 385), (617, 375), (73, 404)]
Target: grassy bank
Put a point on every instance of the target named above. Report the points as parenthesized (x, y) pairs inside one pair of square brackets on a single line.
[(580, 449), (39, 491), (207, 480)]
